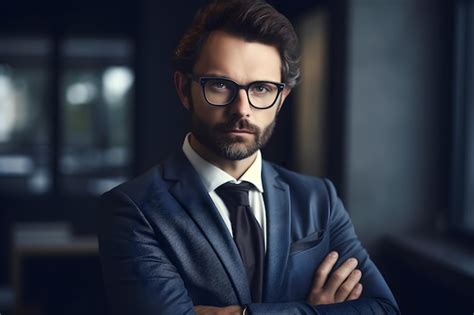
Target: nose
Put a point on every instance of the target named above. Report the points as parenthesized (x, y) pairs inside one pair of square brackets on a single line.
[(241, 104)]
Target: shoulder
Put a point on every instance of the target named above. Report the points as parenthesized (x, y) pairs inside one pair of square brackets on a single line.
[(295, 178), (301, 183), (139, 188)]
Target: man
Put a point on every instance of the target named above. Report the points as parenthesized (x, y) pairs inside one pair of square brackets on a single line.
[(216, 230)]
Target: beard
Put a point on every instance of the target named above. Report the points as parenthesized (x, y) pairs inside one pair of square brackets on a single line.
[(230, 147)]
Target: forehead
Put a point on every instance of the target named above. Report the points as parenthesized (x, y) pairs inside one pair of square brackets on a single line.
[(227, 55)]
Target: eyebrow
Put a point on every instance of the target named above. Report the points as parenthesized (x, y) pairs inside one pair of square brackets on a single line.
[(214, 75)]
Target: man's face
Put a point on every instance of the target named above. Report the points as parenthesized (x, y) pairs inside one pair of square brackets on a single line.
[(238, 130)]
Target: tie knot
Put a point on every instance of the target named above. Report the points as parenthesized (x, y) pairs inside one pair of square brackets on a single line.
[(237, 194)]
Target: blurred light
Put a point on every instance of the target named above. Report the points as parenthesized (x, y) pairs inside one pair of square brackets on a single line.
[(7, 107), (81, 93), (117, 81), (15, 165), (117, 156), (97, 48), (40, 181), (31, 47), (85, 160), (36, 233)]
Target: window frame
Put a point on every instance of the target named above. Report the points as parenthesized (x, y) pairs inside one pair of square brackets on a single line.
[(462, 168), (54, 109)]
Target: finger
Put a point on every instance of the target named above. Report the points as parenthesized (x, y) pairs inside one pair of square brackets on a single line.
[(356, 293), (232, 310), (205, 310), (199, 310), (340, 275), (348, 286), (321, 274)]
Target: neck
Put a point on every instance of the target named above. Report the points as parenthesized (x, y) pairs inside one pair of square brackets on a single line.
[(235, 168)]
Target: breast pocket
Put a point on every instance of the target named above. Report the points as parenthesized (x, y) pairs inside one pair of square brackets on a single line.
[(307, 242), (305, 256)]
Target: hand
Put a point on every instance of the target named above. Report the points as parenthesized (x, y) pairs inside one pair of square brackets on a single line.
[(212, 310), (343, 285)]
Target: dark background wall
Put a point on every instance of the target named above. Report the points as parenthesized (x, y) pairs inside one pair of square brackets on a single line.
[(399, 104)]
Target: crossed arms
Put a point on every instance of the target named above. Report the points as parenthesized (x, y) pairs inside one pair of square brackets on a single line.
[(342, 285), (140, 278)]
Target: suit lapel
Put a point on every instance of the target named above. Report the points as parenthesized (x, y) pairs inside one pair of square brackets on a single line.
[(277, 207), (191, 194)]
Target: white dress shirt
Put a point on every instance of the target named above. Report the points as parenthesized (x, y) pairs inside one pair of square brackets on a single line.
[(213, 177)]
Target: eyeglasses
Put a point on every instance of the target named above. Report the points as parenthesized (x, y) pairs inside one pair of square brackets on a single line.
[(220, 91)]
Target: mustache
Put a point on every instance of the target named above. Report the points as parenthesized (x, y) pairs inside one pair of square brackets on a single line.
[(239, 124)]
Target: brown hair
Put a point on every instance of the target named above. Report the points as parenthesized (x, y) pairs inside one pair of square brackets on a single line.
[(253, 20)]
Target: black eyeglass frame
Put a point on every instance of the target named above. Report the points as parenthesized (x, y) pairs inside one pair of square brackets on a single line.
[(203, 80)]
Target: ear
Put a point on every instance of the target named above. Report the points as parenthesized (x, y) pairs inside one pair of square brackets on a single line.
[(284, 94), (182, 89)]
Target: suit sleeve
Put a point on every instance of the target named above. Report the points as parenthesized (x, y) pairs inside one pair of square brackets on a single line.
[(376, 296), (138, 277)]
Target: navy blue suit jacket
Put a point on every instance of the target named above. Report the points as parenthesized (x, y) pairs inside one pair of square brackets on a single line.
[(164, 247)]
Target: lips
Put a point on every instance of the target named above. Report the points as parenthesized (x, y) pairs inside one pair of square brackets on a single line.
[(239, 131)]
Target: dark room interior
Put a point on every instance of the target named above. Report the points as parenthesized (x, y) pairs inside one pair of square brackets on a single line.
[(385, 109)]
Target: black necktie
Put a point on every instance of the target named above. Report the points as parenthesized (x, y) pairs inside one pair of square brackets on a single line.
[(248, 234)]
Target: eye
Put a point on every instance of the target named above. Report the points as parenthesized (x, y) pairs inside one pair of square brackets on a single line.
[(262, 88), (219, 85)]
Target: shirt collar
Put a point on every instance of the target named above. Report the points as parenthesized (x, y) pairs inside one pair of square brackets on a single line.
[(213, 177)]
